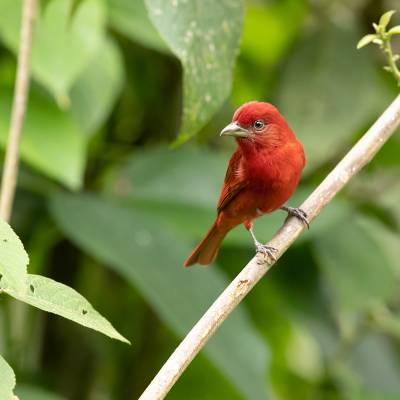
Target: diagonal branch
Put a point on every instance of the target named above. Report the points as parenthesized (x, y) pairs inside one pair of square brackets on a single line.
[(350, 165), (10, 171)]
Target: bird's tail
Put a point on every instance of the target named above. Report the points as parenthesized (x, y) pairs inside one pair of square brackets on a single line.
[(207, 250)]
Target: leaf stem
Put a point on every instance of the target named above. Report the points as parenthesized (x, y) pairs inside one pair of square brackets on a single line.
[(387, 48), (10, 170)]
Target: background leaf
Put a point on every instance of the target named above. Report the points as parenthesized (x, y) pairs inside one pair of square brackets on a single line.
[(382, 376), (205, 36), (29, 392), (357, 276), (50, 142), (63, 43), (96, 90), (131, 18)]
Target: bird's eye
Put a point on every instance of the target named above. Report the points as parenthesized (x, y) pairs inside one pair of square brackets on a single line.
[(258, 125)]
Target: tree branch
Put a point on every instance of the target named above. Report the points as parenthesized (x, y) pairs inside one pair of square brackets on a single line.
[(351, 164), (10, 171)]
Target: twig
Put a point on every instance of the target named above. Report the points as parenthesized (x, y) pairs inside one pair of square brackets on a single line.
[(10, 171), (387, 48), (351, 164)]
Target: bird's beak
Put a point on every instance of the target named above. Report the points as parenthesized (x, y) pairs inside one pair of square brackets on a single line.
[(234, 129)]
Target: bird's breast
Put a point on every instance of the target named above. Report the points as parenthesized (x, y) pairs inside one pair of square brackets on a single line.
[(272, 180)]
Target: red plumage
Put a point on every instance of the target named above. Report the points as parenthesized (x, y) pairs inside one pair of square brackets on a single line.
[(262, 174)]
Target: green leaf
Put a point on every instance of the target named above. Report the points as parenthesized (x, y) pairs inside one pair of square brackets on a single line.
[(7, 381), (13, 259), (386, 322), (57, 298), (205, 36), (132, 19), (385, 19), (317, 108), (150, 255), (172, 182), (394, 31), (73, 40), (276, 23), (374, 361), (388, 195), (358, 275), (367, 39), (303, 354), (50, 142), (374, 396), (386, 239), (63, 43), (94, 93), (29, 392), (213, 383)]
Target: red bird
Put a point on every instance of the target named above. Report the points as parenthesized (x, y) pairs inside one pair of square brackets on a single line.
[(262, 174)]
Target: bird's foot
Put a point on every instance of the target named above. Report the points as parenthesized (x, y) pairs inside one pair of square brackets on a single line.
[(267, 251), (298, 213)]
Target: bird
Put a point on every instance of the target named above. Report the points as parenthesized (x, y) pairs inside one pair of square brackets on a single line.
[(262, 174)]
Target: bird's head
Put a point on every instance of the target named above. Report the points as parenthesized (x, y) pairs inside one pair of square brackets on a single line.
[(257, 122)]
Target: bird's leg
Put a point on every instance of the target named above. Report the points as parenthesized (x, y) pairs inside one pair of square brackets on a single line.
[(260, 248), (298, 213)]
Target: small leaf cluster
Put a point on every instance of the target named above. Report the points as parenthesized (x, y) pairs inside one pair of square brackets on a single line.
[(382, 37)]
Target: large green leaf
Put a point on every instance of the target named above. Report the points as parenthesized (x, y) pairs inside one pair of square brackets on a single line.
[(187, 175), (319, 106), (213, 383), (51, 141), (95, 91), (374, 362), (63, 43), (56, 298), (150, 255), (374, 396), (205, 36), (13, 259), (385, 187), (29, 392), (131, 18), (386, 239), (355, 265), (7, 381)]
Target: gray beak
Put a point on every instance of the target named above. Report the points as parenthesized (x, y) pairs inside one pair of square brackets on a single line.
[(234, 129)]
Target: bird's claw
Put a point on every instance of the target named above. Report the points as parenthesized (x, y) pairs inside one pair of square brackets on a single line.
[(267, 251), (299, 214)]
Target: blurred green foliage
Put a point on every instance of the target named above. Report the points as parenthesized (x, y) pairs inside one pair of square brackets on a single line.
[(105, 206)]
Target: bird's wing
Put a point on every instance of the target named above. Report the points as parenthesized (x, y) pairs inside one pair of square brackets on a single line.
[(234, 181)]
